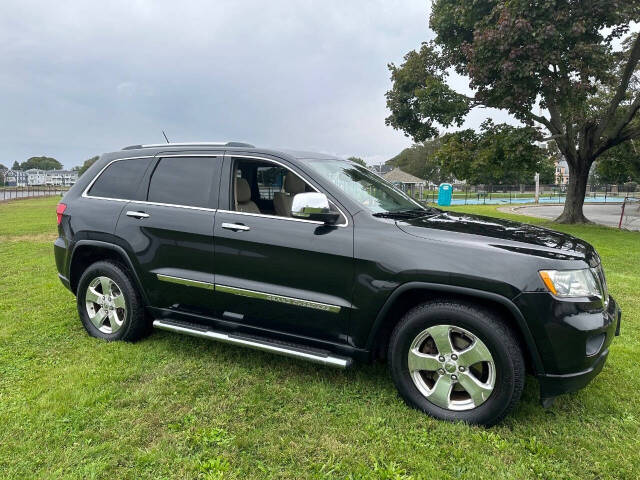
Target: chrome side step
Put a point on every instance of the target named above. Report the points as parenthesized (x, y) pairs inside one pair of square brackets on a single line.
[(281, 348)]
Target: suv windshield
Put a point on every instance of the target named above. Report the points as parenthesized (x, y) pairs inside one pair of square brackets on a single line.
[(365, 187)]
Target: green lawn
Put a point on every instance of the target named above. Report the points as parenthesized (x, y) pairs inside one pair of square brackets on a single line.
[(171, 406)]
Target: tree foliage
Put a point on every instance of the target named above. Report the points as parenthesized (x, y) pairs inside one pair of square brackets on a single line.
[(499, 155), (420, 160), (87, 163), (358, 160), (557, 55), (16, 165), (620, 164), (42, 163)]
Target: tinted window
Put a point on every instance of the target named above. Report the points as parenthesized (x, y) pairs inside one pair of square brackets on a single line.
[(183, 181), (121, 179)]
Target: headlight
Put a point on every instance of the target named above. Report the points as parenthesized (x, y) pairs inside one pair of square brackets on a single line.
[(572, 283)]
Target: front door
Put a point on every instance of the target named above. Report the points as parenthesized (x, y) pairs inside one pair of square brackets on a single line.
[(170, 233), (273, 271)]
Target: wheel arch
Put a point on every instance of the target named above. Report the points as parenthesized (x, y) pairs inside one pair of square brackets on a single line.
[(86, 252), (411, 294)]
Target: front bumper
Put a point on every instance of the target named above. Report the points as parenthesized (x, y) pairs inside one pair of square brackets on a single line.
[(564, 338), (553, 385)]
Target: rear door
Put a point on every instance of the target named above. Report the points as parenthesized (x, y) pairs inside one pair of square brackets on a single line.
[(170, 233)]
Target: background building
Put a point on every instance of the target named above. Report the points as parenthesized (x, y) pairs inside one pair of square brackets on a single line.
[(16, 178), (562, 172), (36, 177)]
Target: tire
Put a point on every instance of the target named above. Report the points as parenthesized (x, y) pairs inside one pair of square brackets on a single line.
[(121, 315), (482, 376)]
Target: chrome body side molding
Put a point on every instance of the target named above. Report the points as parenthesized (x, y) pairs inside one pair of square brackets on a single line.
[(243, 292), (185, 281), (327, 307)]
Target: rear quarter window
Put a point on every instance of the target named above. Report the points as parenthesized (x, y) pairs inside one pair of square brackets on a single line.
[(121, 179)]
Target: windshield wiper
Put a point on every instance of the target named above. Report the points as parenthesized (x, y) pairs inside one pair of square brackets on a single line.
[(408, 213)]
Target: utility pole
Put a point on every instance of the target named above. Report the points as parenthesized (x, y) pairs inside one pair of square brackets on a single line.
[(537, 177)]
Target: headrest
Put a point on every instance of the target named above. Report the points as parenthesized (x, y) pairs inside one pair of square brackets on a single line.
[(243, 191), (294, 184)]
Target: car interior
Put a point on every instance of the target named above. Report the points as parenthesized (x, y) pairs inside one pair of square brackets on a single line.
[(266, 188)]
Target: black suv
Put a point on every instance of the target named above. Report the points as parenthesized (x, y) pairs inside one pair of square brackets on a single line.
[(318, 258)]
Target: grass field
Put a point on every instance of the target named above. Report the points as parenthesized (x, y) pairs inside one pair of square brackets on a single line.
[(172, 406)]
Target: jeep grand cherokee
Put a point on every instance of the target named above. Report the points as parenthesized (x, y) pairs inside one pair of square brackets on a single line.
[(317, 258)]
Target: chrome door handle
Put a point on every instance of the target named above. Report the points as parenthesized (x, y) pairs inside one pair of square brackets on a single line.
[(235, 227), (138, 215)]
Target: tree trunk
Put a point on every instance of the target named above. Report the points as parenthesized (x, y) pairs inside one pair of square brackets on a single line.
[(577, 188)]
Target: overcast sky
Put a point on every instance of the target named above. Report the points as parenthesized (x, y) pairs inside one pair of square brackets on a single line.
[(78, 78)]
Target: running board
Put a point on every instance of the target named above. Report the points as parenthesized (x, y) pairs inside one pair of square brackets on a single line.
[(259, 343)]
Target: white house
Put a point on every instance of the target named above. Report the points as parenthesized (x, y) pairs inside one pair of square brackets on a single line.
[(60, 177), (16, 178), (36, 176)]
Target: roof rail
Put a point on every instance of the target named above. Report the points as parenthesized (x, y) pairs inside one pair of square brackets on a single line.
[(191, 144)]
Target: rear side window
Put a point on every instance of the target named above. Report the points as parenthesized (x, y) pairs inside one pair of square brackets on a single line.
[(121, 179), (184, 181)]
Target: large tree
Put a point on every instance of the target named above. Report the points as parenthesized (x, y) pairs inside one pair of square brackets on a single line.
[(551, 63), (42, 163), (87, 163), (497, 155), (420, 160)]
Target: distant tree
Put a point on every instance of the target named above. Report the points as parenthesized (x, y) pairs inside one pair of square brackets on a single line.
[(3, 172), (420, 160), (42, 163), (519, 55), (499, 154), (358, 160), (16, 165), (619, 165), (86, 165)]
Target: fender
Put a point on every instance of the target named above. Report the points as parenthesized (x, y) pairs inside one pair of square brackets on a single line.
[(534, 355), (121, 253)]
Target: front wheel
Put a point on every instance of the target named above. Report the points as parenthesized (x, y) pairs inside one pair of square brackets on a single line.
[(457, 361)]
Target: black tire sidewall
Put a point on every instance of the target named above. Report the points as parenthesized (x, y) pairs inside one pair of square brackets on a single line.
[(476, 321), (117, 274)]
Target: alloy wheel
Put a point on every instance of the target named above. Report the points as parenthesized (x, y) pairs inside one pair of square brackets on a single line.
[(451, 367), (106, 305)]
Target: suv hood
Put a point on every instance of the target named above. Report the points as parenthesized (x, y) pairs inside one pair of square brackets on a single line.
[(506, 234)]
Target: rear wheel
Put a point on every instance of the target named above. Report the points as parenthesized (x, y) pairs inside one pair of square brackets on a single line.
[(457, 361), (109, 305)]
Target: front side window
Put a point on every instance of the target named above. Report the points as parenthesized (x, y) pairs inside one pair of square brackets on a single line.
[(364, 187), (266, 188), (183, 181), (121, 180)]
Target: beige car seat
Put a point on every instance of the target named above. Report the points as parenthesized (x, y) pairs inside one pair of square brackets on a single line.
[(243, 197), (282, 201)]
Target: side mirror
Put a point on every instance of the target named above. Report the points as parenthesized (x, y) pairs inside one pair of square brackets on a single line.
[(313, 206)]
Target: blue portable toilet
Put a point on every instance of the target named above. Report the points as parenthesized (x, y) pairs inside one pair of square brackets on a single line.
[(444, 194)]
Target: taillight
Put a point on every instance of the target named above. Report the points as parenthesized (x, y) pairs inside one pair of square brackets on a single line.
[(60, 210)]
